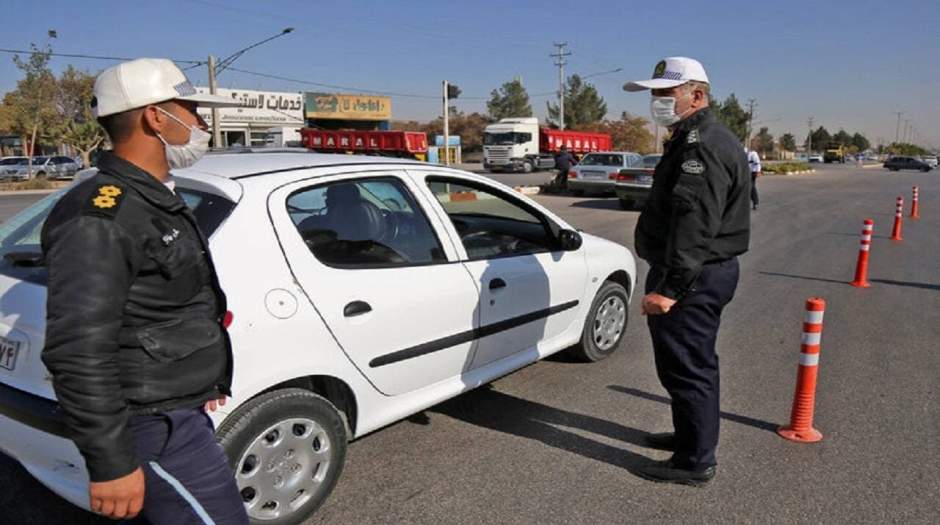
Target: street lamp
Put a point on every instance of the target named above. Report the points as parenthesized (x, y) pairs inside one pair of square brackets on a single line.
[(215, 69)]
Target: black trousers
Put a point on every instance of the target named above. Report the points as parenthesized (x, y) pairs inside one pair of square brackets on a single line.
[(755, 199), (687, 363)]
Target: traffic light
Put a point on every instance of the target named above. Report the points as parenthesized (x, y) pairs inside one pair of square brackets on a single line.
[(452, 91)]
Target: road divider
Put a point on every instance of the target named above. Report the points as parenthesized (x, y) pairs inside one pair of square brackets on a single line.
[(915, 209), (861, 267), (898, 220), (801, 428)]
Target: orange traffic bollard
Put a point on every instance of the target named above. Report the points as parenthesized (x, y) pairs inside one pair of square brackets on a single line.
[(801, 428), (861, 268), (898, 217), (915, 208)]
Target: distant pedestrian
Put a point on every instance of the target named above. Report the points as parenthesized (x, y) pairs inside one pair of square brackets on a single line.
[(563, 161), (753, 163), (694, 226)]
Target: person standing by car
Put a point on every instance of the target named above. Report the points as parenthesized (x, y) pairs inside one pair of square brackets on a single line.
[(563, 161), (134, 335), (695, 224), (753, 163)]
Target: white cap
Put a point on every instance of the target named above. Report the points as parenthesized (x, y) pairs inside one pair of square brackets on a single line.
[(145, 81), (670, 72)]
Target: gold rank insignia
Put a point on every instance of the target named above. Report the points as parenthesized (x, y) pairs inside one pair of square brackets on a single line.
[(107, 197)]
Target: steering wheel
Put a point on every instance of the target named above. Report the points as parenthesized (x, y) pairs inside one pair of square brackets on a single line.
[(391, 226)]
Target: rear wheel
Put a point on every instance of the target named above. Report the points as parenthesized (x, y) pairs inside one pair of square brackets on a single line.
[(605, 324), (527, 167), (287, 449)]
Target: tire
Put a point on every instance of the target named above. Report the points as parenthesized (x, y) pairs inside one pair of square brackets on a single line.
[(627, 204), (248, 434), (577, 193), (527, 167), (594, 346)]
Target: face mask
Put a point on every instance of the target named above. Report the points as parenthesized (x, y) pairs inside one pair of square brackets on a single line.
[(663, 111), (180, 156)]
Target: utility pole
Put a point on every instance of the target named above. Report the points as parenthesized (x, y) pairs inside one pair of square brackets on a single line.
[(216, 130), (560, 62), (751, 104), (897, 130), (809, 139), (446, 127)]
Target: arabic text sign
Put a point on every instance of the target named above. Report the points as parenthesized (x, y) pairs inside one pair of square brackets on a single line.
[(266, 108), (348, 107)]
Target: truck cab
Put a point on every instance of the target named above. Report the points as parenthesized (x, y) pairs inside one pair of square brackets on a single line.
[(512, 144)]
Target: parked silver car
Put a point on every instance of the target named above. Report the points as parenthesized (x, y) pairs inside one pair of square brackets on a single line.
[(53, 167), (633, 184), (598, 171)]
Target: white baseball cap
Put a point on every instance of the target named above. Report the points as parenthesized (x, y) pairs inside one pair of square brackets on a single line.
[(145, 81), (670, 72)]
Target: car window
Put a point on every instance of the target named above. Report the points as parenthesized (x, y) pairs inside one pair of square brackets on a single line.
[(11, 162), (602, 159), (368, 223), (491, 225), (650, 161)]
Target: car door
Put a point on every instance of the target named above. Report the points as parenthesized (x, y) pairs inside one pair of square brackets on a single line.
[(530, 289), (372, 263)]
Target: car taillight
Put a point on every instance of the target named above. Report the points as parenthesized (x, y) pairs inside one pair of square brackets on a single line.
[(621, 177), (572, 174), (227, 320), (613, 176)]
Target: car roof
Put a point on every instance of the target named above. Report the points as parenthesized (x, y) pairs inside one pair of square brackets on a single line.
[(248, 162)]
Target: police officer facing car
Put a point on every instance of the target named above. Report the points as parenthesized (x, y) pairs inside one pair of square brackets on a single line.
[(134, 335), (695, 224)]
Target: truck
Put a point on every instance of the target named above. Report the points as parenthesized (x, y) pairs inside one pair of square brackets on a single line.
[(402, 144), (834, 153), (520, 144)]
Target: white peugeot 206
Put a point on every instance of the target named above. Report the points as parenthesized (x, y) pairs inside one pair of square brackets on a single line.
[(361, 290)]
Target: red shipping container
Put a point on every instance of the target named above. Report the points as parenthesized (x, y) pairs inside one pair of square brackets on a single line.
[(551, 140), (411, 144)]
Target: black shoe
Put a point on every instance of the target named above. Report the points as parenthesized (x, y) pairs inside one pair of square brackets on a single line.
[(662, 441), (755, 207), (666, 472)]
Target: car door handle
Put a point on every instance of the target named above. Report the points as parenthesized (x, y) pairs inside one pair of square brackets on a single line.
[(356, 308), (497, 283)]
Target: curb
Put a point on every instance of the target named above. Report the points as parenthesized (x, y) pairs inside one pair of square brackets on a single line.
[(527, 190), (28, 192)]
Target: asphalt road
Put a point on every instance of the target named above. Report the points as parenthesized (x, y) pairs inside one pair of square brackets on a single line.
[(556, 442)]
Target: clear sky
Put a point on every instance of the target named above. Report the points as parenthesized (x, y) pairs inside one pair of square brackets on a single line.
[(849, 64)]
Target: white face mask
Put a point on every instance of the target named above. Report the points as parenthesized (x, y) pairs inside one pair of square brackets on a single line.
[(663, 111), (180, 156)]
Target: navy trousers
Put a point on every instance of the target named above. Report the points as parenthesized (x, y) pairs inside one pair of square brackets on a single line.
[(188, 479), (687, 363)]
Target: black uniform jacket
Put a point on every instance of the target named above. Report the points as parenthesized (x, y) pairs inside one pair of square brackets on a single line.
[(134, 311), (698, 210)]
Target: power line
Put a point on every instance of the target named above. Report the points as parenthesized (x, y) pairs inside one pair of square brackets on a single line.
[(97, 57)]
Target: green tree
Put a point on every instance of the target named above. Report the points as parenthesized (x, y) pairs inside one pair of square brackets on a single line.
[(842, 138), (76, 125), (904, 148), (584, 107), (629, 133), (731, 114), (821, 139), (510, 100), (788, 142), (763, 142), (32, 104), (467, 126), (860, 142)]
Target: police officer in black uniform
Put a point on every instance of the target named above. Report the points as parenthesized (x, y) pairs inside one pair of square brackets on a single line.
[(696, 223), (134, 335)]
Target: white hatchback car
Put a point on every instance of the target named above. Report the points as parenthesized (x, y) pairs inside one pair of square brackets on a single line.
[(361, 290)]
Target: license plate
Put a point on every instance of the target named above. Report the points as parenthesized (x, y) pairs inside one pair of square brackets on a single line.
[(8, 352), (644, 179), (595, 175)]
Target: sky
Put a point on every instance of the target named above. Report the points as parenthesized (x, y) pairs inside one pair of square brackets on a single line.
[(848, 64)]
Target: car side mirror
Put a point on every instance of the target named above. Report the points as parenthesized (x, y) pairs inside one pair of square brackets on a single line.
[(569, 240)]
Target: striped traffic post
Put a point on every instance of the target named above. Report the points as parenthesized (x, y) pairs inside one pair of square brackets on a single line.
[(898, 218), (861, 267), (915, 208), (801, 428)]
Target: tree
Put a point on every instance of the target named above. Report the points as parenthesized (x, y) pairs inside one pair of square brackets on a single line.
[(842, 138), (860, 142), (469, 127), (904, 148), (510, 100), (821, 139), (31, 106), (629, 133), (77, 126), (584, 107), (731, 114), (788, 142), (763, 142)]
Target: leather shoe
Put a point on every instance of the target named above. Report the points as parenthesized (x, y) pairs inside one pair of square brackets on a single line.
[(661, 441), (667, 472)]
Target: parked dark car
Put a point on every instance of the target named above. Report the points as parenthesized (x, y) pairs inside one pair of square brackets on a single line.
[(906, 163)]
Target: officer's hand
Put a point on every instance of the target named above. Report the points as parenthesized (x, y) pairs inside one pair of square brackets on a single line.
[(119, 498), (655, 304), (213, 405)]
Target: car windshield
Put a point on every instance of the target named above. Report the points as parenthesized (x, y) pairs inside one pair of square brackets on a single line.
[(13, 161), (505, 139), (602, 159), (650, 161), (38, 160)]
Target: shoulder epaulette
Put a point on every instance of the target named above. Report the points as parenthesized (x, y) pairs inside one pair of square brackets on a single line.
[(105, 201)]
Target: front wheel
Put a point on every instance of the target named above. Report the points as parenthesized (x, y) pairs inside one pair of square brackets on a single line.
[(287, 449), (605, 324), (527, 167)]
